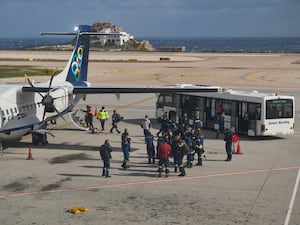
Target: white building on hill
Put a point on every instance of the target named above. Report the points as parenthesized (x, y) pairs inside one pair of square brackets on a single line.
[(112, 38)]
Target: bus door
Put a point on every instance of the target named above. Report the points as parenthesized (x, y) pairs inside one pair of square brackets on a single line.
[(234, 116), (242, 118), (192, 105), (209, 118), (254, 118)]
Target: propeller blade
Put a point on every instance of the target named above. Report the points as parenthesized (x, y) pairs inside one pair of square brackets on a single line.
[(59, 97), (50, 83), (58, 113), (44, 114), (31, 84)]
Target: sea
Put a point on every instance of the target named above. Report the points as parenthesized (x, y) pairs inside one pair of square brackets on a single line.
[(201, 44)]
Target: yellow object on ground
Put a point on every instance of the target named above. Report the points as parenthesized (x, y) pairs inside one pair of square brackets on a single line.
[(77, 209)]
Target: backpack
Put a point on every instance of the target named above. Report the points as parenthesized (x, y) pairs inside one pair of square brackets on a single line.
[(119, 117)]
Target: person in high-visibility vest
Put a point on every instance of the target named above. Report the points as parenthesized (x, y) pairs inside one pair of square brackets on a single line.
[(102, 116)]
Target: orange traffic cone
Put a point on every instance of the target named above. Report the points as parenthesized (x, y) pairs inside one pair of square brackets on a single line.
[(96, 111), (239, 151), (29, 154)]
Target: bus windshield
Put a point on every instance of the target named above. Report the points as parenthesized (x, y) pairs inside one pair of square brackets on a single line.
[(279, 108)]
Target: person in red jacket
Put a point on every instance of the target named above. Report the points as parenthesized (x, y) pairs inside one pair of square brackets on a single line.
[(163, 153)]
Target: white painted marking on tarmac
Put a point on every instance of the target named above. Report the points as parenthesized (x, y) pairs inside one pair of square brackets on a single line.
[(153, 181), (288, 216)]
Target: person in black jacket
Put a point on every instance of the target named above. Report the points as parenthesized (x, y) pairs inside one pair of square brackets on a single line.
[(179, 149), (228, 143), (105, 153)]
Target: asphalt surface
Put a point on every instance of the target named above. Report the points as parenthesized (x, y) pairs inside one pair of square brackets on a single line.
[(255, 188)]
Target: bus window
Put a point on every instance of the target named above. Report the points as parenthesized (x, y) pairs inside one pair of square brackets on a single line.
[(279, 108), (254, 111), (160, 100), (226, 107), (168, 99)]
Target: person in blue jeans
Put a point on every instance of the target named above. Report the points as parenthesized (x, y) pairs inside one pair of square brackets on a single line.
[(126, 148)]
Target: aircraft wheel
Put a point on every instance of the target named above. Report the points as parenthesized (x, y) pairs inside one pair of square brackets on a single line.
[(35, 138), (39, 139)]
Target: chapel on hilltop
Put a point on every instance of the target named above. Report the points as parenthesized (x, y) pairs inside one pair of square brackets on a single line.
[(115, 36)]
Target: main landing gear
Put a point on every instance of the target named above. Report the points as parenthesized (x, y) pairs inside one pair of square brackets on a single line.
[(39, 138)]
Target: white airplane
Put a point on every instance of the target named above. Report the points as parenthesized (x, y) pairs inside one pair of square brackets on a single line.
[(27, 109)]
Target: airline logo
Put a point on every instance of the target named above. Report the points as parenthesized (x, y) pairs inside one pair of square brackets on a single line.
[(77, 62)]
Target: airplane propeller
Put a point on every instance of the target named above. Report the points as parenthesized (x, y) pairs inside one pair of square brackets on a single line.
[(47, 99)]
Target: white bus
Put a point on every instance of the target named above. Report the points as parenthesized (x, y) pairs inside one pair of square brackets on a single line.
[(246, 112)]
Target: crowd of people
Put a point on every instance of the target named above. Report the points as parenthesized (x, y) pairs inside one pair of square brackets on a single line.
[(176, 139)]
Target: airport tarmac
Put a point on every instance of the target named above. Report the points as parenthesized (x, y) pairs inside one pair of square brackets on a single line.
[(255, 188)]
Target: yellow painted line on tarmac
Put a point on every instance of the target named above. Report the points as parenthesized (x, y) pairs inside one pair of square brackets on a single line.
[(252, 78), (114, 70)]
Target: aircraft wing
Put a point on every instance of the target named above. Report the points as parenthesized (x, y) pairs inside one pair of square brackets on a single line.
[(153, 89), (124, 90)]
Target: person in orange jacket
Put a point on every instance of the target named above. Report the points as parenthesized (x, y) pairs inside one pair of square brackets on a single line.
[(89, 117)]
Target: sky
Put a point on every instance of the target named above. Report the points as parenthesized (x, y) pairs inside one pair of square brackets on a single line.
[(155, 18)]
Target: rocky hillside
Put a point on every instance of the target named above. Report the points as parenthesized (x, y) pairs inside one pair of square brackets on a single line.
[(137, 45), (100, 26), (131, 45)]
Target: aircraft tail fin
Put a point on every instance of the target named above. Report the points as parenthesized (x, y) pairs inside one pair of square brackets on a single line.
[(76, 71), (78, 64)]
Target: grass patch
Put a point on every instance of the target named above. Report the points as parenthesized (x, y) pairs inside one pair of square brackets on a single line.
[(19, 71)]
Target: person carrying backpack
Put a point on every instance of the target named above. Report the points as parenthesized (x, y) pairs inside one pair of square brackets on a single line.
[(115, 118)]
